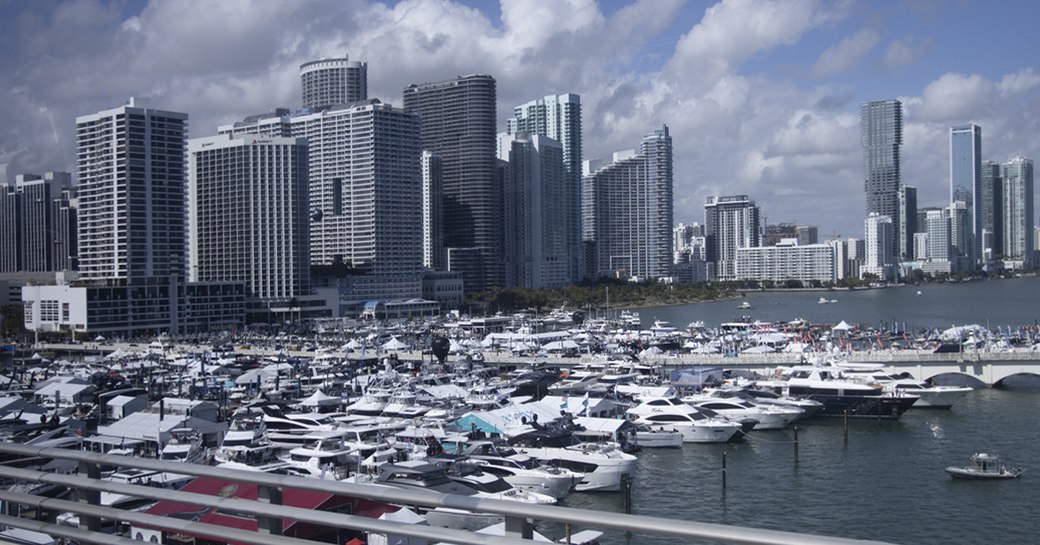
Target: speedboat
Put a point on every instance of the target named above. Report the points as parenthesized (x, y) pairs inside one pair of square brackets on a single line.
[(984, 466), (744, 305)]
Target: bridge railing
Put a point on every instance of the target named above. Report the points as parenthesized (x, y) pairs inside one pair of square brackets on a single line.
[(518, 516)]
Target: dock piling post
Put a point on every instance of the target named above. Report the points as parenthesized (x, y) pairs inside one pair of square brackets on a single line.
[(796, 445), (723, 469), (845, 425)]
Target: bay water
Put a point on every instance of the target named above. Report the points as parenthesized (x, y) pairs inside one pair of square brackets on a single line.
[(887, 481)]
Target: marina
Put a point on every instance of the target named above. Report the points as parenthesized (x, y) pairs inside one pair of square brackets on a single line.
[(601, 429)]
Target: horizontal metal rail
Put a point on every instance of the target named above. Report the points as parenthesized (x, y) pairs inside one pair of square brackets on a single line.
[(257, 508), (70, 532), (516, 510)]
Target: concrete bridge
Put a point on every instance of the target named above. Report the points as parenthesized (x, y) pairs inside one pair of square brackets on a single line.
[(987, 367)]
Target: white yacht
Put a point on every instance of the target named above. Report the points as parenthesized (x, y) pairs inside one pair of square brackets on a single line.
[(520, 470), (769, 417), (604, 465), (933, 397), (696, 425)]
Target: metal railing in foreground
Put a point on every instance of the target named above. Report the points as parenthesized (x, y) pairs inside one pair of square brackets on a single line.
[(518, 516)]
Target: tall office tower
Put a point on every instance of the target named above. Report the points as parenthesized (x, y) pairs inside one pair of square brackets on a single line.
[(248, 217), (457, 119), (877, 241), (966, 183), (10, 229), (881, 134), (730, 223), (559, 117), (131, 183), (433, 211), (536, 246), (991, 200), (43, 226), (907, 221), (961, 237), (627, 210), (1017, 177), (365, 187), (331, 82)]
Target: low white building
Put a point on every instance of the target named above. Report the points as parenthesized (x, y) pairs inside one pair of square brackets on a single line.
[(788, 261)]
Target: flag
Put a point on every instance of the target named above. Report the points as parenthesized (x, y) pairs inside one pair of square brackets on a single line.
[(259, 431), (585, 404), (563, 405)]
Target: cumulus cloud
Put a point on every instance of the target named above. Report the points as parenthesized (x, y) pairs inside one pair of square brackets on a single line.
[(790, 143), (846, 53), (903, 52)]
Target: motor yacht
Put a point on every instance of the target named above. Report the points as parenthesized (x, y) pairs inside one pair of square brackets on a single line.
[(696, 425), (841, 396), (769, 417), (604, 465), (520, 470)]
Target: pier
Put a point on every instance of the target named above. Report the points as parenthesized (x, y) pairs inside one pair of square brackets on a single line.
[(988, 367)]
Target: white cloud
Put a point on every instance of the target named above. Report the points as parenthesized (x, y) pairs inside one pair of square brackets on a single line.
[(846, 53), (903, 52), (791, 144)]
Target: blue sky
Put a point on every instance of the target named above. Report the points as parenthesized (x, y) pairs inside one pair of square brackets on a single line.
[(761, 97)]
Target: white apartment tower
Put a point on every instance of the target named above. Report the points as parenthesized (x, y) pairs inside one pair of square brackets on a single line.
[(332, 82), (365, 184), (131, 184), (627, 211), (1017, 175), (433, 211), (535, 209), (559, 117), (878, 242), (248, 217)]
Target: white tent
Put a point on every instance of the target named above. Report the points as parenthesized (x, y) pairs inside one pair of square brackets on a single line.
[(394, 344), (320, 399)]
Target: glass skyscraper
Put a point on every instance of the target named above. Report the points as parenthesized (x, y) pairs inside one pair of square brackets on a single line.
[(881, 135), (966, 183)]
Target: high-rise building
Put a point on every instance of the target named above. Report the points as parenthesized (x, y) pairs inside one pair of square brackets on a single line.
[(433, 211), (730, 223), (131, 184), (907, 220), (559, 117), (991, 200), (881, 135), (808, 234), (535, 246), (38, 223), (627, 211), (877, 241), (966, 184), (132, 236), (457, 120), (333, 82), (365, 188), (1017, 175), (248, 217)]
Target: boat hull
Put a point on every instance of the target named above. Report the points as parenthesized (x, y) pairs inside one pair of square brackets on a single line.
[(863, 406), (970, 474)]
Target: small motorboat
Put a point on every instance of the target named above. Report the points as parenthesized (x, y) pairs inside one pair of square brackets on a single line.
[(984, 466), (744, 305)]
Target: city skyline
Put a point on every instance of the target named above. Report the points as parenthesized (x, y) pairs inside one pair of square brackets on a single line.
[(774, 114)]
